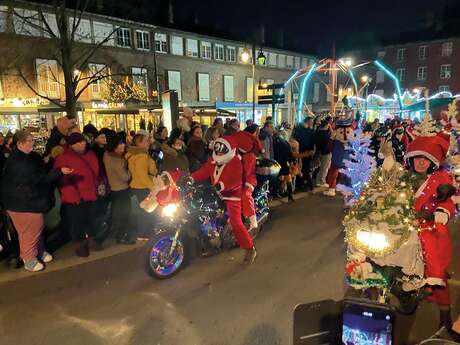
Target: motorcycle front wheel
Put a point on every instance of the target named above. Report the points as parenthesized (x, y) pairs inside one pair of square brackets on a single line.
[(162, 263)]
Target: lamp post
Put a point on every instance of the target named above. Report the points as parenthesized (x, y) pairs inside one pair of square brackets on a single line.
[(246, 58)]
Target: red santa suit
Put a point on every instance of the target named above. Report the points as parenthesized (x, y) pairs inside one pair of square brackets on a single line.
[(226, 172), (248, 147), (434, 234)]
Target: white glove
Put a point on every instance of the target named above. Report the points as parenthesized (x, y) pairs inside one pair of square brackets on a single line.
[(441, 217)]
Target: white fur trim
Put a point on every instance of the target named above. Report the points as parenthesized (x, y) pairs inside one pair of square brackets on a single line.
[(221, 184), (230, 198), (441, 218), (435, 281), (251, 187), (442, 209), (423, 154)]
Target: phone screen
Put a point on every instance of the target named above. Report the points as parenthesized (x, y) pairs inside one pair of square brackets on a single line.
[(367, 325)]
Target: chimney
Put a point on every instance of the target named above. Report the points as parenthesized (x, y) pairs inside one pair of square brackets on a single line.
[(170, 12)]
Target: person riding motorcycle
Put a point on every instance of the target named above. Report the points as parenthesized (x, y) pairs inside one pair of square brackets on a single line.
[(225, 169)]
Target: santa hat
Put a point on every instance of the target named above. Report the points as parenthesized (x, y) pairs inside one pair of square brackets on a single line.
[(224, 149), (246, 142), (433, 148)]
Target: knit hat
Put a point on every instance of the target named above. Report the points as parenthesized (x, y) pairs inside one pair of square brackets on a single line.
[(75, 138), (433, 148)]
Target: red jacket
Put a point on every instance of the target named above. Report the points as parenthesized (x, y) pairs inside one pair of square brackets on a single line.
[(227, 178), (81, 184)]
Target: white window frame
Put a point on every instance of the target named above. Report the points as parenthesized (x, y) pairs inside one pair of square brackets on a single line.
[(48, 78), (83, 32), (97, 86), (422, 52), (422, 73), (22, 27), (191, 47), (289, 61), (447, 49), (123, 37), (444, 88), (272, 59), (161, 43), (297, 62), (142, 40), (229, 88), (401, 54), (50, 19), (104, 32), (304, 62), (177, 45), (204, 93), (446, 71), (231, 53), (281, 61), (206, 50), (178, 87), (219, 52), (401, 74), (379, 77)]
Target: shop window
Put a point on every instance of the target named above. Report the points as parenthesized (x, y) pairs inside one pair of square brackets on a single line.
[(104, 32), (177, 45), (229, 90), (174, 83), (140, 78), (82, 30), (161, 43), (124, 37), (203, 87), (143, 40), (26, 22), (47, 78), (192, 47)]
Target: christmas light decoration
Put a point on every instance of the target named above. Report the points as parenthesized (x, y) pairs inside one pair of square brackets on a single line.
[(303, 91)]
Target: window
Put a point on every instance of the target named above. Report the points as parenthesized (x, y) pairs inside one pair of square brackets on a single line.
[(421, 73), (177, 45), (272, 59), (206, 50), (447, 48), (192, 47), (140, 78), (174, 83), (219, 52), (289, 61), (123, 37), (422, 52), (249, 88), (231, 54), (315, 93), (203, 87), (297, 62), (381, 54), (103, 32), (143, 40), (304, 62), (50, 20), (82, 31), (161, 43), (281, 61), (380, 92), (3, 18), (26, 22), (47, 78), (446, 71), (98, 72), (444, 88), (228, 88), (401, 74), (380, 77), (401, 54)]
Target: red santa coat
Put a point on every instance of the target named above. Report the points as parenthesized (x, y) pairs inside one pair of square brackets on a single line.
[(434, 234)]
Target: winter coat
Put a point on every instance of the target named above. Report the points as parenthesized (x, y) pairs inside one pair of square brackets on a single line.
[(26, 186), (197, 153), (117, 171), (283, 154), (177, 161), (267, 143), (306, 138), (81, 185), (339, 154), (399, 149), (322, 138), (141, 167)]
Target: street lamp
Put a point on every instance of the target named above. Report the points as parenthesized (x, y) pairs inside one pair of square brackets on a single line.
[(365, 79), (246, 58), (261, 58)]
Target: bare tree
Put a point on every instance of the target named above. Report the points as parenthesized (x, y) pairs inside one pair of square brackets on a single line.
[(69, 47)]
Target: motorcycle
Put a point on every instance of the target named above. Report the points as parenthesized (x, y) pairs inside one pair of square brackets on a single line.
[(193, 222)]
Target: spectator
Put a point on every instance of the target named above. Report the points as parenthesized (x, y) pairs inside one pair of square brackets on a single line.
[(283, 155), (118, 175), (211, 135), (79, 194), (196, 149), (178, 160), (233, 127), (317, 122), (150, 127), (305, 135), (219, 124), (27, 194), (129, 139), (266, 137), (142, 169), (296, 165), (322, 143), (58, 135), (100, 142), (398, 144), (249, 123), (90, 131)]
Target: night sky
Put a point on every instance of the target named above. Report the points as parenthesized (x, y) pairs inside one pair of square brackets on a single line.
[(306, 26)]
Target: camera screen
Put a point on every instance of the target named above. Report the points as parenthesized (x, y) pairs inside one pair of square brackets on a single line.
[(366, 325)]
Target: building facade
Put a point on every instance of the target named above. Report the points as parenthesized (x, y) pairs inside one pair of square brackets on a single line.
[(209, 74)]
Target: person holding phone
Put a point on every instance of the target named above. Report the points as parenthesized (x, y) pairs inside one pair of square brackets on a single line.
[(27, 194)]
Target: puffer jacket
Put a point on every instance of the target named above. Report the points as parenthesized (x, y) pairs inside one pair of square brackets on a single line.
[(141, 167)]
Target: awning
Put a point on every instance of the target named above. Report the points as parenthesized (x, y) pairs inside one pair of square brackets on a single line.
[(434, 103)]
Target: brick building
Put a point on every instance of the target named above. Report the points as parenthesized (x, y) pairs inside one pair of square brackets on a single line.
[(207, 72)]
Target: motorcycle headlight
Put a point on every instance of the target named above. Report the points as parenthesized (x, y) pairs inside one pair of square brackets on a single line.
[(372, 240), (169, 210)]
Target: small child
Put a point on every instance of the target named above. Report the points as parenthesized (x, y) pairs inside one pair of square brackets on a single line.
[(296, 164)]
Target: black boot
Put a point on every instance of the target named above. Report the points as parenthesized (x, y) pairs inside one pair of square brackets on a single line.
[(290, 194)]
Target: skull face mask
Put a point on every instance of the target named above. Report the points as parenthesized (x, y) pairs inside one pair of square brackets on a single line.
[(222, 151)]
